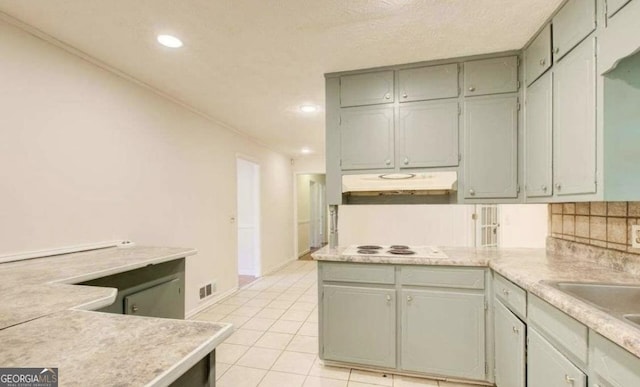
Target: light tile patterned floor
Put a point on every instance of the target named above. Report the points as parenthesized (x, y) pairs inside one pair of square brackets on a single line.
[(275, 343)]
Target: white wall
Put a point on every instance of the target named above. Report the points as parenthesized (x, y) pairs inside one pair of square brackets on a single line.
[(310, 164), (88, 156), (440, 225), (523, 225)]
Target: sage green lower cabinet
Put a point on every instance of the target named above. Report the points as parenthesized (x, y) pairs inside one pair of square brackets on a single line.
[(443, 332), (547, 367), (611, 365), (510, 348), (359, 325)]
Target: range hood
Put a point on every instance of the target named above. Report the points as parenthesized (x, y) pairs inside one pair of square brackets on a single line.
[(432, 183)]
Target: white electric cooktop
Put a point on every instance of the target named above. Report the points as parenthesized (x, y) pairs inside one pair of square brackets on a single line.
[(395, 251)]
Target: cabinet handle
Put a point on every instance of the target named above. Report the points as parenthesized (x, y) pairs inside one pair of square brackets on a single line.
[(134, 308), (472, 88), (569, 379), (543, 62), (409, 298), (472, 192), (387, 96), (557, 50), (516, 330), (406, 161), (388, 299), (544, 188), (505, 292), (558, 186), (387, 161), (405, 95)]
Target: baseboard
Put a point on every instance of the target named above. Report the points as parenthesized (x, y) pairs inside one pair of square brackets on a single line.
[(307, 251), (210, 302), (276, 268)]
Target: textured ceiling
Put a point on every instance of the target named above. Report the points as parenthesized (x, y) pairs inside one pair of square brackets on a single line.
[(251, 63)]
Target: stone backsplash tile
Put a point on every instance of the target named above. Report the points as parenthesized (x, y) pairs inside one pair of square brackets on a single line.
[(602, 224)]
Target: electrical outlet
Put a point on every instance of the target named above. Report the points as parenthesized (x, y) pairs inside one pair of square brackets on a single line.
[(203, 292), (208, 289), (635, 236)]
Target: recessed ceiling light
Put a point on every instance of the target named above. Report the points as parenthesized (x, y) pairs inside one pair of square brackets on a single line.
[(308, 108), (305, 150), (169, 41)]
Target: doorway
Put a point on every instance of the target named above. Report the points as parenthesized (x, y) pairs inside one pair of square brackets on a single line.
[(311, 213), (248, 221)]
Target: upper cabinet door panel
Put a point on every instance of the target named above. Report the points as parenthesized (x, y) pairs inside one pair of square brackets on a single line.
[(574, 121), (366, 89), (366, 137), (425, 83), (491, 146), (613, 6), (491, 76), (571, 25), (428, 134), (537, 57), (539, 138)]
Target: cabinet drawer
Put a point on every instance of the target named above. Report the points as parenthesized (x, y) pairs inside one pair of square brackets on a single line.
[(491, 76), (612, 364), (366, 89), (574, 22), (513, 296), (358, 272), (425, 83), (445, 277), (549, 368), (565, 332), (537, 57)]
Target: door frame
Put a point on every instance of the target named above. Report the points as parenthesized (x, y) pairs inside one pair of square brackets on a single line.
[(295, 175)]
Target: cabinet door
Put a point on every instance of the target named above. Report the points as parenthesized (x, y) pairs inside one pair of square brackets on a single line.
[(366, 89), (574, 121), (162, 300), (546, 367), (443, 332), (509, 348), (537, 57), (429, 134), (432, 82), (359, 325), (366, 137), (539, 138), (491, 76), (571, 25), (613, 6), (491, 145), (611, 365)]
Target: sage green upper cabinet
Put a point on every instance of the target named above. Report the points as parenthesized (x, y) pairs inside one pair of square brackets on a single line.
[(426, 83), (537, 57), (359, 325), (366, 89), (367, 137), (491, 147), (613, 6), (443, 332), (428, 134), (574, 124), (510, 348), (491, 76), (539, 138), (571, 25), (547, 367)]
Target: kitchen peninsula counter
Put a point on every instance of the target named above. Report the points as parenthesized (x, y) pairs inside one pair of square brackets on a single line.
[(46, 321), (531, 269)]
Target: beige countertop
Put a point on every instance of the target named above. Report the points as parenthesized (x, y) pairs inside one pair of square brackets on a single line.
[(530, 269), (45, 322)]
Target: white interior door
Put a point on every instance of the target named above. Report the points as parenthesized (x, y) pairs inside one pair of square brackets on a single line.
[(248, 220), (314, 216)]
